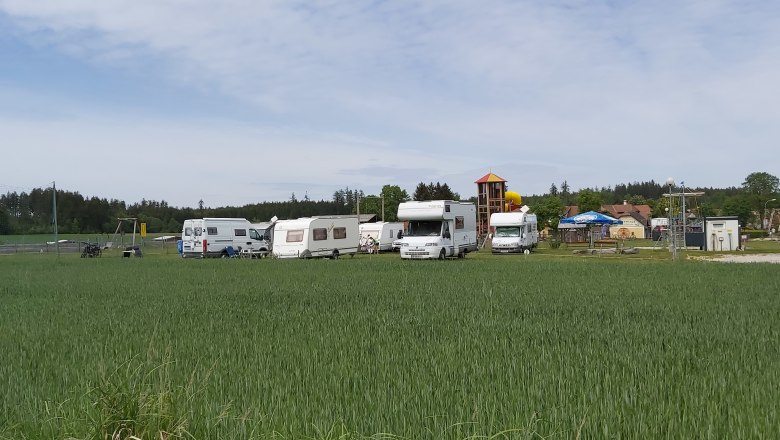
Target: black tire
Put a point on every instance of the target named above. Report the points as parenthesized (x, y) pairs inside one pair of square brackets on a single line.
[(442, 254), (335, 254)]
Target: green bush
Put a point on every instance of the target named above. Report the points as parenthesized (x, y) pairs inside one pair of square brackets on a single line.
[(754, 233)]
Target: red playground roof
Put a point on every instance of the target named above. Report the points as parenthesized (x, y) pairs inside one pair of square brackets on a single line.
[(490, 178)]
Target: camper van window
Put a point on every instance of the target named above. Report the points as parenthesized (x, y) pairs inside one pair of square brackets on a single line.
[(240, 232), (507, 231), (446, 208), (459, 222), (339, 233), (294, 235), (254, 235), (188, 231), (422, 228), (198, 231), (211, 231), (319, 234)]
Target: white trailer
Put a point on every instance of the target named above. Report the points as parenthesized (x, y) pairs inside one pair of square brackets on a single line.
[(438, 229), (514, 231), (211, 237), (384, 233), (323, 236)]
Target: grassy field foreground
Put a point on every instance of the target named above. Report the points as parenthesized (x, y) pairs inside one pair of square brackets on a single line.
[(511, 347)]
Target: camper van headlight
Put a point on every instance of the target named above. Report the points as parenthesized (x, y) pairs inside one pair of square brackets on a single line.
[(404, 244), (432, 244)]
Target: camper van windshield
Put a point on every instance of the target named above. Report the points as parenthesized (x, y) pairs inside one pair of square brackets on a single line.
[(422, 228), (507, 231)]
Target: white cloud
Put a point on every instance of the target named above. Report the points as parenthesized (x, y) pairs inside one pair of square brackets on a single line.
[(590, 92)]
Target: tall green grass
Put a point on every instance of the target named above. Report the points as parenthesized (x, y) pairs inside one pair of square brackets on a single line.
[(510, 347)]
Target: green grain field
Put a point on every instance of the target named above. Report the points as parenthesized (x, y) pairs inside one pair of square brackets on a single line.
[(486, 347)]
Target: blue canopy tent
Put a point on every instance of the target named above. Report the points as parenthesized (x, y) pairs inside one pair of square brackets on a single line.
[(591, 218)]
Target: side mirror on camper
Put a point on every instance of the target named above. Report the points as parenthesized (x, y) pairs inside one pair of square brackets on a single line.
[(447, 234), (400, 235)]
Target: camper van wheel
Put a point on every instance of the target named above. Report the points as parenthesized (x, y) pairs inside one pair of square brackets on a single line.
[(442, 254), (462, 254), (335, 254), (223, 254)]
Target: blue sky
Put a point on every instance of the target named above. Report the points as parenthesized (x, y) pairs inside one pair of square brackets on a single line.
[(239, 101)]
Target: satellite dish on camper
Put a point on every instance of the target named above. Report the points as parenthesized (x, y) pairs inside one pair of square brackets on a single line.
[(274, 219)]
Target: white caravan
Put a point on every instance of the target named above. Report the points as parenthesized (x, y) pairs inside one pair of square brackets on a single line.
[(514, 231), (383, 233), (324, 236), (438, 229), (210, 237)]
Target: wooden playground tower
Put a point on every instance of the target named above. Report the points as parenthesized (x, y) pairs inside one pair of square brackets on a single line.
[(491, 197)]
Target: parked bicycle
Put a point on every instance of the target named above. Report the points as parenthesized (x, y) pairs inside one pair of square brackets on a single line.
[(90, 250)]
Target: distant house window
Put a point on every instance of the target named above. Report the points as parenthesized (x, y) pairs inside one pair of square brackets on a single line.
[(339, 233), (459, 222), (187, 231), (211, 231), (198, 231), (240, 232), (295, 235), (319, 234)]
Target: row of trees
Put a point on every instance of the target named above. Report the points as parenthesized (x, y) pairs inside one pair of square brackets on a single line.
[(31, 213), (749, 202)]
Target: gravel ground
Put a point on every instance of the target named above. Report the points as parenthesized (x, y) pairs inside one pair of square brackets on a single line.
[(749, 258)]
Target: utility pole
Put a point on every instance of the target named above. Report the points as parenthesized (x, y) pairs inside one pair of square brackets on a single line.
[(684, 214), (54, 210), (672, 228)]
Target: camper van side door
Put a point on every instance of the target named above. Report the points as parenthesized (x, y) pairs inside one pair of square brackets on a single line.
[(446, 235)]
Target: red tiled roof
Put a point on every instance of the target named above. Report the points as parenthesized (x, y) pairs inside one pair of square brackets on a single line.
[(641, 213)]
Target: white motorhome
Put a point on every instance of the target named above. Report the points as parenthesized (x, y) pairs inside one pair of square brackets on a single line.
[(266, 231), (383, 233), (514, 231), (323, 236), (438, 229), (210, 237)]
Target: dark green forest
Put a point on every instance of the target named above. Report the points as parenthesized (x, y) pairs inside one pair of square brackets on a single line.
[(32, 212)]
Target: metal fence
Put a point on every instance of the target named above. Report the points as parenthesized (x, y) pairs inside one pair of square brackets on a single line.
[(76, 247)]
